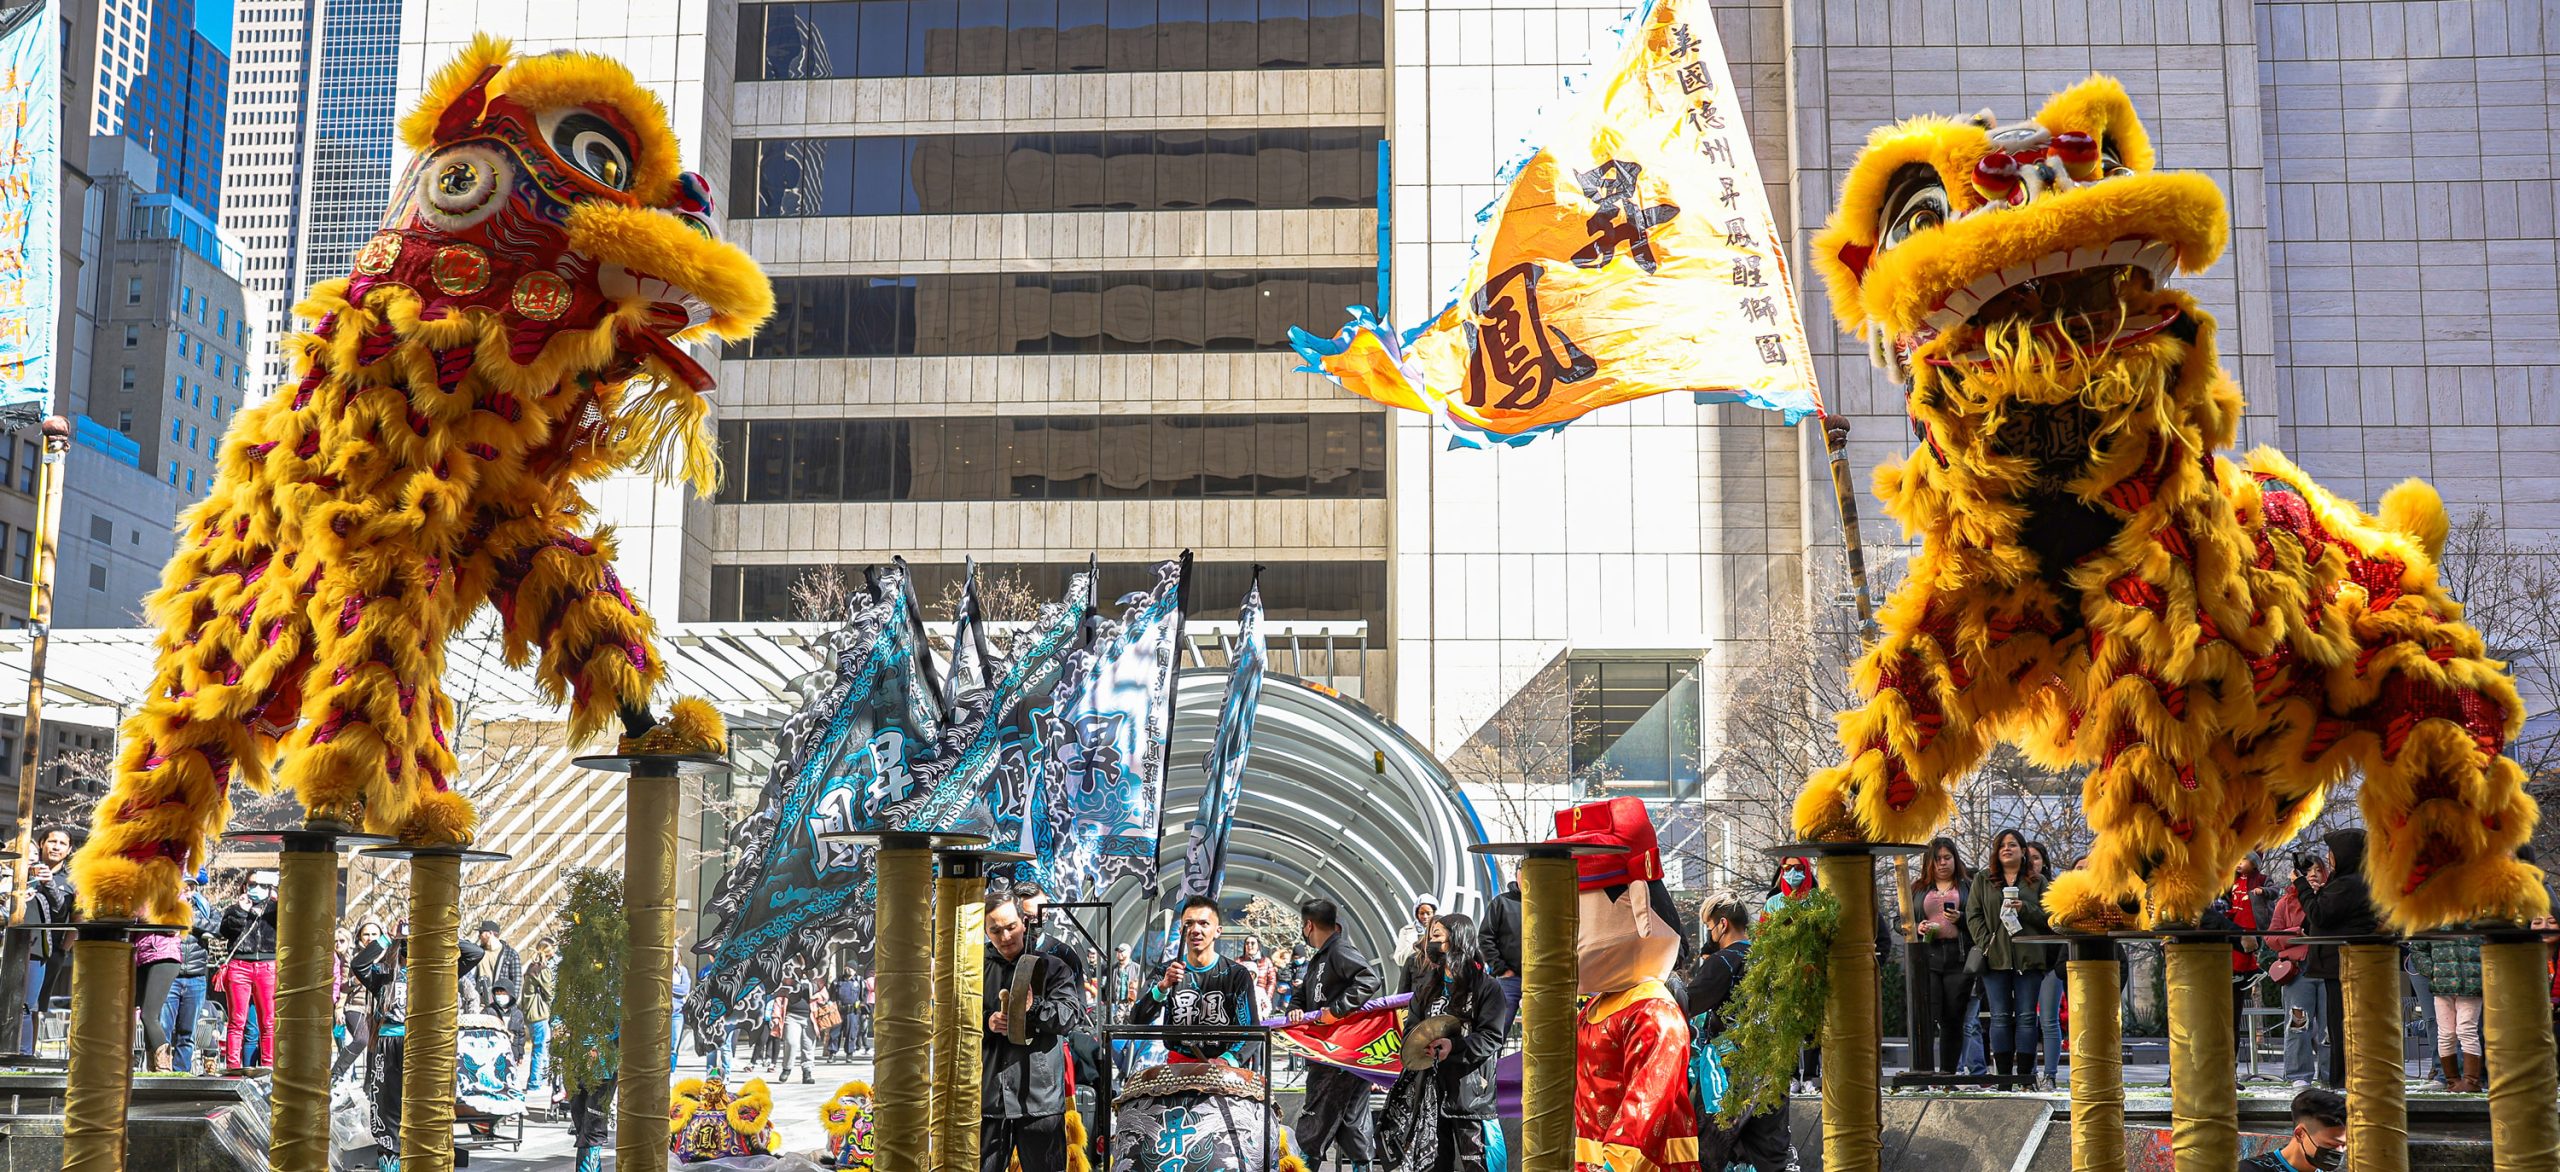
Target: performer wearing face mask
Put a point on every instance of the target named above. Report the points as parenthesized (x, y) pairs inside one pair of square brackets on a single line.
[(249, 979), (2319, 1142), (1338, 982)]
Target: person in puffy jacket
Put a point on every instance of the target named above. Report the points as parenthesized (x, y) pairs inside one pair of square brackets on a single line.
[(2304, 994), (2342, 907), (2452, 969)]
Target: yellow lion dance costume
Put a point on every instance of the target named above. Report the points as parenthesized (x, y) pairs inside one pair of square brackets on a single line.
[(515, 328), (2219, 642)]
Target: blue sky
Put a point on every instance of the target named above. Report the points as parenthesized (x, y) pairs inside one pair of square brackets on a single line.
[(213, 19)]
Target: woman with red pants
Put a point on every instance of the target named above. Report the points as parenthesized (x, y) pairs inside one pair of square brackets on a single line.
[(249, 979)]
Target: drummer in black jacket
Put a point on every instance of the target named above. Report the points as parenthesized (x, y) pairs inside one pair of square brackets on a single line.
[(1338, 981), (1024, 1097), (1202, 988), (1464, 1061)]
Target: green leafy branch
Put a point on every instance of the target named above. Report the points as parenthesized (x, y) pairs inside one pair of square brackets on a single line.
[(1778, 1005), (586, 1007)]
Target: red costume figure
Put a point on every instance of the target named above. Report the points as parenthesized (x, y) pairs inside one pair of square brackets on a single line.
[(1631, 1110)]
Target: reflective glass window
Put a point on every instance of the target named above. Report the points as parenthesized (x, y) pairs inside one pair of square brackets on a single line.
[(884, 40), (1182, 33), (1032, 33), (932, 38), (975, 174), (1084, 36), (1234, 37), (1130, 311), (1284, 34), (1181, 161), (879, 177)]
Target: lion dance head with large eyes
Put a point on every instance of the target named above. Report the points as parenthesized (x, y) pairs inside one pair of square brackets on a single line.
[(516, 327), (2216, 643)]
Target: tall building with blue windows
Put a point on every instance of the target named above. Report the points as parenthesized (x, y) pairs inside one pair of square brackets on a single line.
[(1036, 262), (310, 148), (164, 85), (169, 363)]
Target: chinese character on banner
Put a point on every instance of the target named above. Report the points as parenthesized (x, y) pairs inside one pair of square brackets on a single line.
[(1600, 275)]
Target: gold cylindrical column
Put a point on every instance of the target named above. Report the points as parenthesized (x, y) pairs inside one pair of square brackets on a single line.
[(2204, 1101), (435, 1008), (306, 912), (648, 966), (959, 979), (2097, 1058), (100, 1081), (2377, 1058), (1852, 1063), (1550, 912), (902, 978), (945, 1017), (2515, 1029)]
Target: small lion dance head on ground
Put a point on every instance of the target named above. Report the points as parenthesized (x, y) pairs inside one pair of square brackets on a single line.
[(516, 327), (2218, 643)]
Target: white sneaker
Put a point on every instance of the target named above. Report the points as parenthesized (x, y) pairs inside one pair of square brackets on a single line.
[(2302, 1084)]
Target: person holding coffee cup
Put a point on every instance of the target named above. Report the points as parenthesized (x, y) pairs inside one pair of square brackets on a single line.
[(2007, 901)]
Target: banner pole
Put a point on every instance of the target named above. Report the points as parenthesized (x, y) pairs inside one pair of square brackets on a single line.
[(1835, 438)]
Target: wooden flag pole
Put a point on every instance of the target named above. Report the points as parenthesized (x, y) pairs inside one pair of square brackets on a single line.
[(1835, 438)]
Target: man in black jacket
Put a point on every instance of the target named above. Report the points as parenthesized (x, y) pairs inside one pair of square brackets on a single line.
[(1024, 1097), (2341, 907), (1202, 988), (1502, 940), (1338, 981)]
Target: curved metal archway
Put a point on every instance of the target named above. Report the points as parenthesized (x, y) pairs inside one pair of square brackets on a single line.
[(1338, 802)]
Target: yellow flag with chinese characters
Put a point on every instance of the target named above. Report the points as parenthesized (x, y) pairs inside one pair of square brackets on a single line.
[(1632, 255)]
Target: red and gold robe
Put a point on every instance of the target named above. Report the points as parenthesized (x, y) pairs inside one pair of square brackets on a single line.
[(1631, 1108)]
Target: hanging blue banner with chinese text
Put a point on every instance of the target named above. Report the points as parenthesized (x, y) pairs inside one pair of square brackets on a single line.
[(1204, 862), (1097, 769), (845, 761)]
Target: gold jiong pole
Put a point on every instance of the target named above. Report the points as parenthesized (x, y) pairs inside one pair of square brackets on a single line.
[(16, 947), (1852, 1066), (2204, 1102), (945, 1017), (902, 974), (2515, 1028), (100, 1081), (306, 911), (2097, 1057), (435, 1009), (2377, 1100), (648, 966), (1551, 911), (957, 1052)]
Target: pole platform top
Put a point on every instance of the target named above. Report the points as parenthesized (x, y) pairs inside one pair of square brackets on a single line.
[(102, 929), (913, 840), (972, 862), (655, 764), (2490, 933), (2171, 935), (1548, 850), (1873, 850), (307, 839), (413, 853)]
